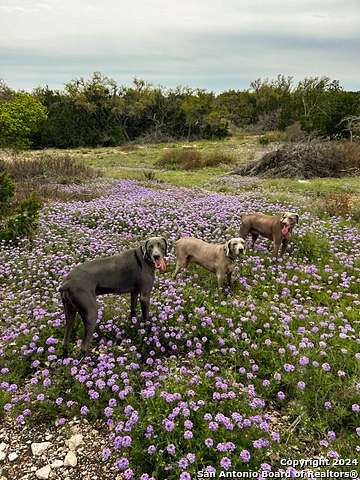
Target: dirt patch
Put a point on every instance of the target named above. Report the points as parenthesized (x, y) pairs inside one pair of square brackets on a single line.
[(22, 463)]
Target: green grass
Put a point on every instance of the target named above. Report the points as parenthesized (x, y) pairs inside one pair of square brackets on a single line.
[(130, 161), (134, 161)]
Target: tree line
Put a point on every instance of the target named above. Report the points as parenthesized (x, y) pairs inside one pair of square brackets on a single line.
[(99, 112)]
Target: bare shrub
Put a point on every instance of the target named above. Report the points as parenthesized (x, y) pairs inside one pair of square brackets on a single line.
[(155, 136), (334, 204), (351, 152), (129, 147), (355, 211), (190, 159), (294, 133), (273, 136), (183, 159), (215, 159)]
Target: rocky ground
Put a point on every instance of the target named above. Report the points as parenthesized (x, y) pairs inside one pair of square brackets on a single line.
[(67, 453)]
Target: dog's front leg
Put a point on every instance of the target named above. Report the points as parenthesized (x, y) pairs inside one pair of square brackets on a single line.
[(284, 245), (230, 277), (145, 304), (133, 304), (89, 328), (221, 279), (276, 246)]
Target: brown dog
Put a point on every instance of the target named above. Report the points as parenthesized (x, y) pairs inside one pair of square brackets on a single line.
[(217, 258), (274, 228)]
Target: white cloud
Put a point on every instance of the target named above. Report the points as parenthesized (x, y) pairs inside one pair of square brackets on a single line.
[(167, 40)]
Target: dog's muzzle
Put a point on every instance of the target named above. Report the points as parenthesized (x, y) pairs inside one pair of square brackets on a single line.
[(160, 264), (286, 229)]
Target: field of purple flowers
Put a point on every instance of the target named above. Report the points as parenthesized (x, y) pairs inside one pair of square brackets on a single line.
[(232, 381)]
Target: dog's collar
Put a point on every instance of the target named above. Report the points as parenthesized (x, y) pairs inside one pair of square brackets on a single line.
[(145, 258)]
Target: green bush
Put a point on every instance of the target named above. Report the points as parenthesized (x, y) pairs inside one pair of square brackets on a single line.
[(313, 247), (20, 118), (16, 220)]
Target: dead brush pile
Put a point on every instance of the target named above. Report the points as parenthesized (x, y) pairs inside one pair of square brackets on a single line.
[(307, 160)]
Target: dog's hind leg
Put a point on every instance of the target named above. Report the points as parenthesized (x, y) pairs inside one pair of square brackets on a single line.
[(182, 262), (70, 315), (254, 237), (244, 230), (86, 306)]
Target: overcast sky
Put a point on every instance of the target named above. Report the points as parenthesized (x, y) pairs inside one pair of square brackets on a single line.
[(215, 44)]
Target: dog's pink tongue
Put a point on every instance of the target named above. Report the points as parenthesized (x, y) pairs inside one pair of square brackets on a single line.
[(285, 230), (161, 265)]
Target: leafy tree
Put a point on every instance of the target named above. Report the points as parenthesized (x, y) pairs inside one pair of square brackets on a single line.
[(273, 100), (201, 116), (20, 117), (322, 104), (237, 107), (99, 112), (5, 92)]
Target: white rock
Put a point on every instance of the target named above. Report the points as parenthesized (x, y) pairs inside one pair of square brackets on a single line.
[(2, 456), (57, 464), (3, 447), (70, 459), (39, 448), (12, 456), (43, 473), (75, 441)]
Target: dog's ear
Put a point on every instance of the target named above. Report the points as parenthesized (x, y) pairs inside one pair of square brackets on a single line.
[(297, 218), (144, 248), (228, 248), (166, 245)]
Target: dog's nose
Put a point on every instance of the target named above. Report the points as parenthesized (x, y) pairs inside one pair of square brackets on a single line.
[(156, 257)]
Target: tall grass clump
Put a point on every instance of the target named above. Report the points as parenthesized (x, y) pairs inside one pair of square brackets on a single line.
[(48, 175), (48, 167)]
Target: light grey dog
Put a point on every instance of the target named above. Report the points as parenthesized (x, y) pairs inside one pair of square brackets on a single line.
[(275, 228), (131, 272), (217, 258)]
